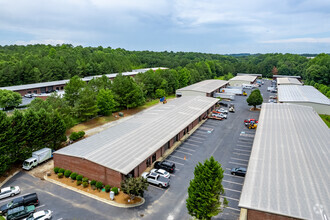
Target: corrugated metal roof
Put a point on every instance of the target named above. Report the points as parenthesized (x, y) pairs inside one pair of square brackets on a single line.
[(244, 78), (288, 81), (206, 86), (249, 74), (285, 76), (126, 145), (62, 82), (294, 93), (288, 171)]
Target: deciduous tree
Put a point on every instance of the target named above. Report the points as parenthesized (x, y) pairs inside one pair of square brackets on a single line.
[(106, 102), (255, 98), (9, 98), (134, 186)]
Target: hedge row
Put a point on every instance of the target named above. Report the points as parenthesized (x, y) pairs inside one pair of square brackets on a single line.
[(84, 180)]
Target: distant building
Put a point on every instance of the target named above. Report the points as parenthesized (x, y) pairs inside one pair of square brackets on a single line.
[(203, 88), (285, 76), (240, 80), (249, 74), (304, 95), (288, 81), (287, 176)]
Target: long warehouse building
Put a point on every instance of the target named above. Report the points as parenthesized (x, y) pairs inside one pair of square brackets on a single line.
[(203, 88), (287, 175), (131, 146), (240, 80), (304, 95)]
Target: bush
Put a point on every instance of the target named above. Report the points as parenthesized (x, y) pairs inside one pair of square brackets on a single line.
[(107, 188), (56, 169), (79, 177), (79, 183), (85, 179), (74, 176), (85, 184), (115, 190), (99, 185), (61, 170), (60, 175), (67, 173), (76, 135), (93, 182)]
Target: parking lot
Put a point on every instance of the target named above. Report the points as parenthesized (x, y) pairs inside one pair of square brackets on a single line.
[(229, 141)]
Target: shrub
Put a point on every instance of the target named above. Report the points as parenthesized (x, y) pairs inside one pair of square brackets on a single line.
[(60, 175), (85, 184), (67, 173), (79, 182), (107, 188), (93, 187), (56, 169), (74, 175), (81, 134), (76, 135), (61, 170), (79, 177), (115, 190), (99, 185), (85, 179), (93, 182)]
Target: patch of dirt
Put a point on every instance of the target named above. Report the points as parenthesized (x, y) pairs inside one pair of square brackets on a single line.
[(41, 169), (121, 198), (255, 109), (14, 168)]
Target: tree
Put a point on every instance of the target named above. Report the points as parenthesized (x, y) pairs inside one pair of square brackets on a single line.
[(18, 129), (106, 102), (255, 98), (86, 106), (73, 89), (5, 142), (160, 93), (9, 99), (134, 186), (57, 129), (204, 191)]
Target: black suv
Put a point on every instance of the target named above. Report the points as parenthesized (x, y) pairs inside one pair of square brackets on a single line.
[(29, 199), (165, 165)]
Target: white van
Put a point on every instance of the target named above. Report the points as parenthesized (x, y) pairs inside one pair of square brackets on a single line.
[(247, 86)]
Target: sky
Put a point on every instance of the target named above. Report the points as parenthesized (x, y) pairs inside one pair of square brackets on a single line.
[(208, 26)]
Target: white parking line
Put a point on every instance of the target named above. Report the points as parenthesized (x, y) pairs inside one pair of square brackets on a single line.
[(187, 149), (232, 190), (245, 142), (234, 158), (183, 152), (233, 209), (200, 142), (241, 154), (198, 138), (175, 162), (241, 164), (240, 145), (62, 218), (232, 182), (195, 145), (230, 198), (233, 176), (181, 158), (201, 133), (40, 206), (237, 149), (157, 187)]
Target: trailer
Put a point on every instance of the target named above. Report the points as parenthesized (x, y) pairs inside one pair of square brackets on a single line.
[(37, 158), (230, 96), (236, 90)]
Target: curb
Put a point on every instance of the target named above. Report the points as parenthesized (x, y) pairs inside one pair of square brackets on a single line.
[(8, 178), (109, 202)]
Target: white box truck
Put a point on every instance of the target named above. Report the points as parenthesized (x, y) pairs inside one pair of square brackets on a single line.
[(237, 91), (37, 158)]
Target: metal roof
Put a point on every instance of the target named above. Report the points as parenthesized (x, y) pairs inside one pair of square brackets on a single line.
[(206, 86), (288, 171), (244, 78), (63, 82), (294, 93), (127, 144), (249, 74), (288, 81), (285, 76)]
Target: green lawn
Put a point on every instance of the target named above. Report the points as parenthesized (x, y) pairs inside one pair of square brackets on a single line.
[(326, 119), (2, 218)]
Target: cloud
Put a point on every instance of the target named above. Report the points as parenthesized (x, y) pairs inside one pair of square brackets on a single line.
[(298, 40)]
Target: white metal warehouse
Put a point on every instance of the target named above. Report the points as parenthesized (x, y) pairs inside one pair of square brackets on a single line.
[(240, 80), (288, 81), (304, 95), (203, 88), (134, 144), (288, 171)]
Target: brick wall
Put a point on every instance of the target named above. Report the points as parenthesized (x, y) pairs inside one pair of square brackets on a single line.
[(258, 215)]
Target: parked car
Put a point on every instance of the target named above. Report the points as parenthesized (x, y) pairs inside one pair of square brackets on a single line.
[(156, 179), (219, 115), (29, 199), (41, 215), (161, 172), (165, 165), (20, 212), (239, 171), (9, 191), (29, 95)]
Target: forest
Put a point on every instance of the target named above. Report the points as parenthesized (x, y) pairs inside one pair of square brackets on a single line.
[(45, 122)]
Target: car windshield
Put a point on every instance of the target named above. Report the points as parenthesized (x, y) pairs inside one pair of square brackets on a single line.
[(26, 163), (12, 187)]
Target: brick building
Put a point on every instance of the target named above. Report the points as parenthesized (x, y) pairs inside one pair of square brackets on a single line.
[(132, 145)]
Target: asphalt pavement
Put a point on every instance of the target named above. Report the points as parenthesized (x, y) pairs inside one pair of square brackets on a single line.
[(228, 141)]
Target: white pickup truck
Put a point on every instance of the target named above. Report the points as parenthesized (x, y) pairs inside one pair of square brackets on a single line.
[(156, 179)]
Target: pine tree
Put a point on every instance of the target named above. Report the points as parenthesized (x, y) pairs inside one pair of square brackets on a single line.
[(57, 130), (5, 144), (17, 125), (205, 189), (106, 102), (86, 106)]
